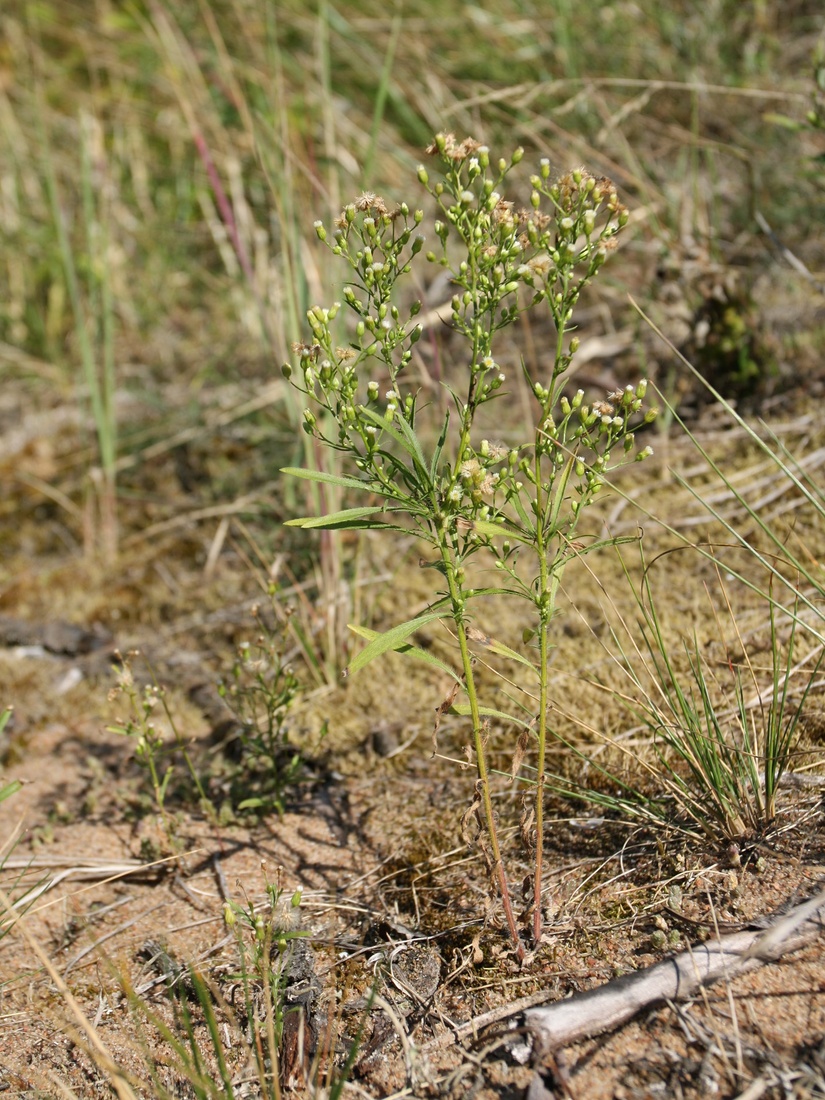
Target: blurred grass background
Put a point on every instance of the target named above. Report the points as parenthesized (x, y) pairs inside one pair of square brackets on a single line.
[(161, 167)]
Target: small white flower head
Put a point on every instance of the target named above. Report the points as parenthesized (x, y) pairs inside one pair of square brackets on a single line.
[(467, 197), (471, 469), (540, 266)]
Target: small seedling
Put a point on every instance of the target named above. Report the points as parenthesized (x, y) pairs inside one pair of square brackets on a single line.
[(154, 749), (260, 691)]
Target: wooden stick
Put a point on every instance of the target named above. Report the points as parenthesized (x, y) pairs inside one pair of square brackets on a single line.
[(675, 979)]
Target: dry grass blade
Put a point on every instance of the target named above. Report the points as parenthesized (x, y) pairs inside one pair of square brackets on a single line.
[(98, 872), (97, 1047)]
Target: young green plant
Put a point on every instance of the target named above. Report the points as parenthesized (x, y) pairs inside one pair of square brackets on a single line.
[(154, 749), (465, 494), (722, 750), (259, 692)]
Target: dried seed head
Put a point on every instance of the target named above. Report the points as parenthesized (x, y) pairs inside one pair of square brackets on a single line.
[(368, 200)]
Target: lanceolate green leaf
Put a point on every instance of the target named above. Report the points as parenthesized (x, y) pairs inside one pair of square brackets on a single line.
[(475, 592), (409, 651), (463, 709), (505, 651), (616, 540), (328, 479), (390, 639), (403, 435), (497, 530), (10, 789), (439, 447), (529, 525), (348, 517)]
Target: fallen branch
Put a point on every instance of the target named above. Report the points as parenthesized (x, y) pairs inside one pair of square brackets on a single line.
[(675, 979)]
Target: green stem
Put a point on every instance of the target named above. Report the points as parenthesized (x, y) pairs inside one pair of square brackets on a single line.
[(540, 763), (548, 586), (482, 769)]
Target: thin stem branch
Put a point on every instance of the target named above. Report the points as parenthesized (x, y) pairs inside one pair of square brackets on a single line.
[(480, 749)]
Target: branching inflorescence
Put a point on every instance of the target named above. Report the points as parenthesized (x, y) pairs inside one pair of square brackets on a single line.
[(465, 494)]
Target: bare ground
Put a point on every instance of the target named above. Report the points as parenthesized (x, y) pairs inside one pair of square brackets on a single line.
[(391, 893)]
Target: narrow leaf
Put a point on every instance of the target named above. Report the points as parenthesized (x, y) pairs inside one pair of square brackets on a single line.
[(9, 789), (329, 479), (529, 525), (390, 639), (409, 651), (505, 651), (463, 709), (403, 434), (334, 519), (439, 447), (497, 530), (600, 544)]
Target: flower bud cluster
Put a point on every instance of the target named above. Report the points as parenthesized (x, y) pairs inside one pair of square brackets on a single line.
[(484, 474), (378, 245), (552, 253), (586, 437), (508, 261)]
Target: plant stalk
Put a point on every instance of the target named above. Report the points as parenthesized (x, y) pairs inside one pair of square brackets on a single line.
[(480, 750)]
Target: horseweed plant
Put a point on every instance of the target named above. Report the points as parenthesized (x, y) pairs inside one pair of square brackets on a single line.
[(468, 494)]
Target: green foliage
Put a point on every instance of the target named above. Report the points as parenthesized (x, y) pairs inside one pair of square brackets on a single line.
[(260, 692), (265, 943), (723, 737), (216, 1049), (260, 764), (8, 789), (464, 494), (201, 1045), (159, 746)]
